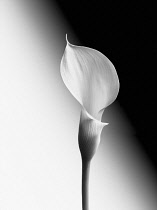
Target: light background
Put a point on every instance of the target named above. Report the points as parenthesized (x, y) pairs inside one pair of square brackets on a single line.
[(40, 163)]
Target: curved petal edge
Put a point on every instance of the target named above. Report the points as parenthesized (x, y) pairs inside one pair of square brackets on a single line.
[(90, 77), (89, 135)]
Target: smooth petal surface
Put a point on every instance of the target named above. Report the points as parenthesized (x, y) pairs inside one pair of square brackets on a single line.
[(89, 135), (90, 77)]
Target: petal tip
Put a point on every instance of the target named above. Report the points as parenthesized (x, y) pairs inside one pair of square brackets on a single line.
[(104, 123), (68, 43), (66, 37)]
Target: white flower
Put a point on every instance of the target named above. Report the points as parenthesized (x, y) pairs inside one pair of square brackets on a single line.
[(92, 80)]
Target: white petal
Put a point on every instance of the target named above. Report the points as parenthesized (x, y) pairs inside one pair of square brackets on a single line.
[(90, 77), (89, 135)]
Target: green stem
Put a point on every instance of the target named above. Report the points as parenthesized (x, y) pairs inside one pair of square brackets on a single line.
[(85, 184)]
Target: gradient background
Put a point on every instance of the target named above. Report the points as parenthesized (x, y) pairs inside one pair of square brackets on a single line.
[(40, 163)]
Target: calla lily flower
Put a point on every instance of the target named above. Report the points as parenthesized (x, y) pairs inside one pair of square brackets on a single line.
[(92, 80)]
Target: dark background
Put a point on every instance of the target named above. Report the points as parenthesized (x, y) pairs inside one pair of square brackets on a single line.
[(125, 32)]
